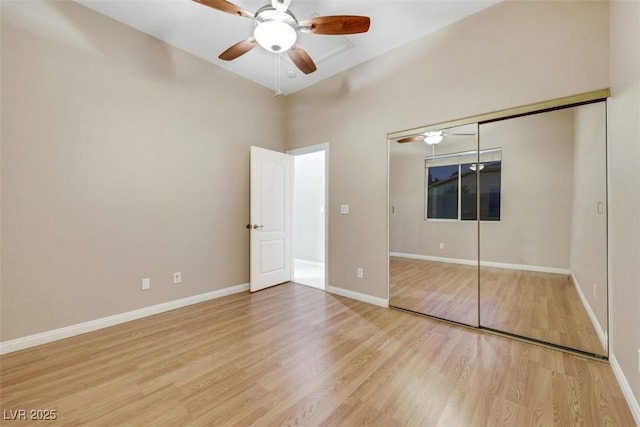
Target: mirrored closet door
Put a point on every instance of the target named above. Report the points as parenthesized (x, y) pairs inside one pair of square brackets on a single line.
[(433, 229), (502, 225), (543, 247)]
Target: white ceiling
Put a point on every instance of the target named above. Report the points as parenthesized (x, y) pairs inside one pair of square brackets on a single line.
[(205, 32)]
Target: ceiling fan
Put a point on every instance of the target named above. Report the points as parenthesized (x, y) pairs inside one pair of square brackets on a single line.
[(276, 30), (432, 137)]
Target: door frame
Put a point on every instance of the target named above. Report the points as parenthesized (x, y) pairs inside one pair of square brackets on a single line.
[(306, 150)]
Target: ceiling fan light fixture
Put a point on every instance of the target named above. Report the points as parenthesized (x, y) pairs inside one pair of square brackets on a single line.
[(433, 137), (275, 36), (276, 31)]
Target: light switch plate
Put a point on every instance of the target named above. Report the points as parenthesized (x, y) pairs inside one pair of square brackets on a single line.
[(344, 209)]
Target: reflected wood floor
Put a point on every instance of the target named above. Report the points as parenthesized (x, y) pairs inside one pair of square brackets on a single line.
[(448, 291), (294, 355), (543, 306)]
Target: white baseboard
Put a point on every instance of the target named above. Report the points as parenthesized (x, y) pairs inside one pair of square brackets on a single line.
[(93, 325), (381, 302), (602, 335), (308, 283), (506, 266), (634, 406), (305, 262)]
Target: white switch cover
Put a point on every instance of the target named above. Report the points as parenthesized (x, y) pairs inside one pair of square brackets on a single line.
[(146, 283), (360, 273), (177, 278), (344, 209)]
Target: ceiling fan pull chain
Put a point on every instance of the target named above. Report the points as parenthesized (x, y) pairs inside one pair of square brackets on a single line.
[(277, 73)]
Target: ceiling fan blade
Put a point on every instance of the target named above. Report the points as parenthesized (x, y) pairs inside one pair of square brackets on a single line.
[(411, 139), (238, 49), (301, 58), (335, 25), (225, 6)]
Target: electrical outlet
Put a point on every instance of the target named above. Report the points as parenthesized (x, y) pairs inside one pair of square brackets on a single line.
[(177, 278), (146, 283), (441, 245), (360, 273)]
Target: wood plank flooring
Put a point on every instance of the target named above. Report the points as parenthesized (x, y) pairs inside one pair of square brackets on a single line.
[(294, 355), (542, 306)]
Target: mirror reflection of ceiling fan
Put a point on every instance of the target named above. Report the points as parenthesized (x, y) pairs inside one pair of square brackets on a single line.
[(432, 137), (276, 30)]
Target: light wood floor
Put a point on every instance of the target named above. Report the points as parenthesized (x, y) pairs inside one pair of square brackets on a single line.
[(294, 355), (541, 306)]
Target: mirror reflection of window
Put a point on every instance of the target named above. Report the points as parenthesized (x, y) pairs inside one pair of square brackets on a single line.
[(490, 191), (442, 192), (452, 186)]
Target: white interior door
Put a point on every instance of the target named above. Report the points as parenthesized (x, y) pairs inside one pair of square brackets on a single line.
[(270, 218)]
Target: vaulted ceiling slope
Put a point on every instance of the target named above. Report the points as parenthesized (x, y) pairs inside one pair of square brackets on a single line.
[(206, 32)]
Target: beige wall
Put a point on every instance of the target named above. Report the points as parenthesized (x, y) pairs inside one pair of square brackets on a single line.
[(512, 54), (624, 190), (122, 158)]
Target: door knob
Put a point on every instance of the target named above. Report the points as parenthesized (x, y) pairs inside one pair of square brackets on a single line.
[(258, 227)]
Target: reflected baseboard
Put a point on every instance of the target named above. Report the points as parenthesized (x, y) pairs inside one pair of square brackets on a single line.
[(602, 335), (492, 264)]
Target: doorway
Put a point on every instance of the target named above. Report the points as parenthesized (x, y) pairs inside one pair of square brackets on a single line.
[(309, 229)]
